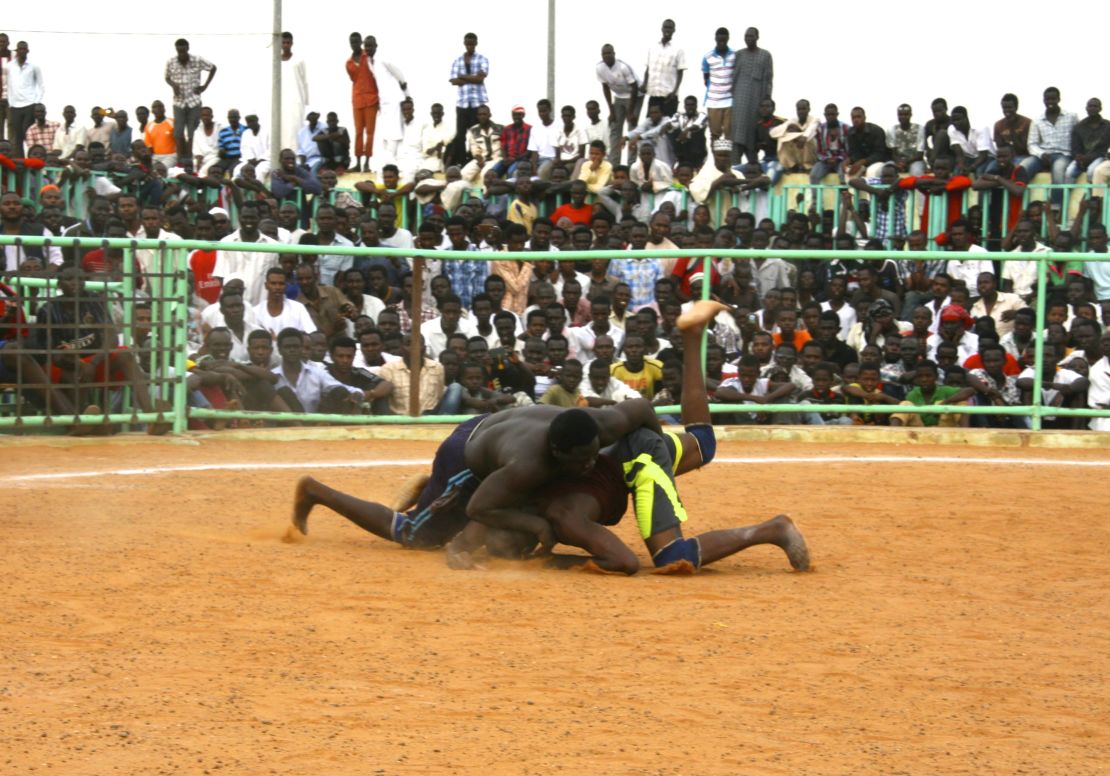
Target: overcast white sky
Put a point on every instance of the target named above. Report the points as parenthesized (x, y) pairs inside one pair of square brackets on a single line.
[(875, 54)]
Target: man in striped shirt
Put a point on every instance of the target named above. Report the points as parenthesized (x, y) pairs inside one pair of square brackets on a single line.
[(719, 67)]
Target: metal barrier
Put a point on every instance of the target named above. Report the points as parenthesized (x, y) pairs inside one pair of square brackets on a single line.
[(169, 301)]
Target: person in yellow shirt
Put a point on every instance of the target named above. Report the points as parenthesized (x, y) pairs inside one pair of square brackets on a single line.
[(638, 373), (565, 392)]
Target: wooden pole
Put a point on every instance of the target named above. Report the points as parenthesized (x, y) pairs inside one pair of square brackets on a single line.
[(415, 361)]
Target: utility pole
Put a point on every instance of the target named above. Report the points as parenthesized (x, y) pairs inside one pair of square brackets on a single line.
[(551, 51), (275, 93)]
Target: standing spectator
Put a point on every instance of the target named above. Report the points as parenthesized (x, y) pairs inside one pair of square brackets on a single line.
[(294, 92), (365, 101), (183, 76), (159, 135), (468, 72), (41, 132), (906, 141), (392, 92), (70, 136), (719, 69), (25, 89), (753, 81), (5, 58), (663, 74), (1050, 140), (1089, 143), (621, 90)]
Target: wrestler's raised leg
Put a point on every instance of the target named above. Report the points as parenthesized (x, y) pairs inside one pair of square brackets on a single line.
[(779, 531)]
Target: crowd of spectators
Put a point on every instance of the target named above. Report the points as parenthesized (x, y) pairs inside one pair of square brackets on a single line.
[(320, 332)]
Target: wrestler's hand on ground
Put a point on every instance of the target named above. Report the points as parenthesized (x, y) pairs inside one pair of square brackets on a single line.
[(462, 560), (545, 535)]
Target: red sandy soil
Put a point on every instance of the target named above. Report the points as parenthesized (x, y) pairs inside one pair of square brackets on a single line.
[(957, 622)]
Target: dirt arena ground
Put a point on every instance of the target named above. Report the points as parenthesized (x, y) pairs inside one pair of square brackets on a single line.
[(957, 622)]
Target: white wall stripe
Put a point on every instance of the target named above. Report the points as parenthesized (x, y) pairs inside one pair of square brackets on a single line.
[(314, 465)]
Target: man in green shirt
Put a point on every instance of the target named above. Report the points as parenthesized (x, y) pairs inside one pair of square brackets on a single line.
[(928, 393)]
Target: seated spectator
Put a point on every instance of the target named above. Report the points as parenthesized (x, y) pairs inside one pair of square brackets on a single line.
[(824, 376), (434, 397), (602, 389), (995, 388), (869, 388), (749, 388), (475, 397), (305, 385), (831, 147), (1098, 392), (797, 149), (972, 149), (596, 172), (1060, 387), (375, 390), (75, 329), (955, 329), (277, 312), (637, 372), (565, 392), (927, 393), (436, 331), (867, 148)]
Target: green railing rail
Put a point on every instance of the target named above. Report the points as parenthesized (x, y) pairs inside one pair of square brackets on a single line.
[(171, 312)]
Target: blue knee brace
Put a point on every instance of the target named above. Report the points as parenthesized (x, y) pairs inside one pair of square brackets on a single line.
[(679, 549), (707, 440)]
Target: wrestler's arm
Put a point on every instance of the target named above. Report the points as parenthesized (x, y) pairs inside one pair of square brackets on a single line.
[(497, 503), (608, 552), (627, 416)]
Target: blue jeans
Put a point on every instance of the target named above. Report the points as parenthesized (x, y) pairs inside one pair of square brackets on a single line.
[(1072, 174), (822, 168), (772, 169)]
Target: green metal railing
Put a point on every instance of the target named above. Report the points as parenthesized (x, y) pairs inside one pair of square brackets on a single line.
[(172, 312)]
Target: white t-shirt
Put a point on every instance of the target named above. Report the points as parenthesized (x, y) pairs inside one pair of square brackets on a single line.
[(293, 315), (543, 139)]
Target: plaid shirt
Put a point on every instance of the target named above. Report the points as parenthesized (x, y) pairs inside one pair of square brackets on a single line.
[(1048, 138), (640, 275), (43, 136), (402, 310), (830, 149), (471, 95), (514, 142), (187, 78), (468, 278), (881, 215)]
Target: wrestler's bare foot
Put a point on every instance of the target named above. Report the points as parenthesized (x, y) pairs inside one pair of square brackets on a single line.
[(792, 543), (303, 502), (700, 314)]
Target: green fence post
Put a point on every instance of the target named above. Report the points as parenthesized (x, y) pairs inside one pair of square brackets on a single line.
[(1038, 360)]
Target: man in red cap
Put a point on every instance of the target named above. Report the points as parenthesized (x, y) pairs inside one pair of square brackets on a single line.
[(514, 143), (955, 328)]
